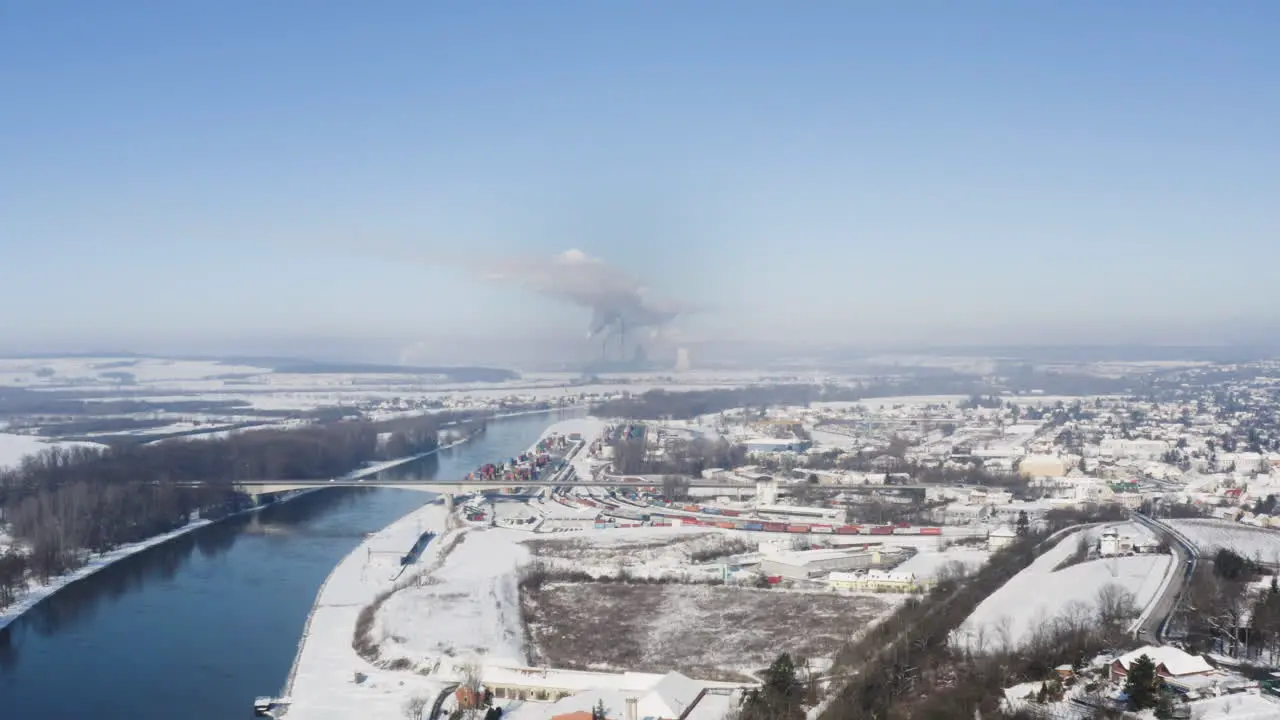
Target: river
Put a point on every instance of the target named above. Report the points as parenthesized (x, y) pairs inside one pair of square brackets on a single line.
[(197, 627)]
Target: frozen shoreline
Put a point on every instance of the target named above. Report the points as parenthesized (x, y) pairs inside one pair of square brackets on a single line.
[(34, 596), (321, 682)]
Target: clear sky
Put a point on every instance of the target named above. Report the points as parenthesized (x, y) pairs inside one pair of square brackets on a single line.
[(847, 171)]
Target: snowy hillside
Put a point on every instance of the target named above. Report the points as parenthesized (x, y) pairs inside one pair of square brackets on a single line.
[(1250, 542), (1038, 594)]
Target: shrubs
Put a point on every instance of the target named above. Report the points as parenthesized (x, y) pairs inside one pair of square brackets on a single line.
[(733, 546), (534, 575)]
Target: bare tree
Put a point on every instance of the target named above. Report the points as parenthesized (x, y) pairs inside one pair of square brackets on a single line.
[(1115, 607), (413, 707), (675, 487)]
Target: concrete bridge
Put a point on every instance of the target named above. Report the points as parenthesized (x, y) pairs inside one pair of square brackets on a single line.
[(455, 487), (466, 487)]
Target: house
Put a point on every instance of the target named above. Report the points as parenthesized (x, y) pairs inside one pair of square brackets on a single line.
[(1001, 537), (1170, 662)]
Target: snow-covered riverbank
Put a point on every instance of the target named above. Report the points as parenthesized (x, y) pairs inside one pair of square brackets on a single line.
[(37, 593), (98, 562), (323, 682)]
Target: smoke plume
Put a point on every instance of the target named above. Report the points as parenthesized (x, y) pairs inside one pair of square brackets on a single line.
[(618, 301)]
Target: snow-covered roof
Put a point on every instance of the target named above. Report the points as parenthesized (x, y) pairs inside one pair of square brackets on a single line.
[(1239, 706), (668, 698), (673, 693), (1174, 661)]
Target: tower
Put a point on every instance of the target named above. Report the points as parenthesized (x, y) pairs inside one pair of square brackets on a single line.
[(682, 360)]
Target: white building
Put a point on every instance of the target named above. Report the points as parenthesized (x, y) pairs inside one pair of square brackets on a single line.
[(1002, 536), (1133, 449), (1042, 466)]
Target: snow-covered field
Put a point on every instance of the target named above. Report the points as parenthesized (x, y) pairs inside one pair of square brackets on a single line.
[(470, 607), (704, 631), (1251, 542), (927, 563), (1038, 594), (15, 447)]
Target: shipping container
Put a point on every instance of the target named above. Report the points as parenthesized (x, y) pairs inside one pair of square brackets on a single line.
[(711, 510), (725, 525), (903, 525), (774, 579), (848, 530), (821, 529), (931, 531), (775, 527), (906, 530), (798, 528), (882, 530), (731, 513)]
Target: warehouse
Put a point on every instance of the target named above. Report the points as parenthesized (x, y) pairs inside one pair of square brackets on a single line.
[(875, 581), (805, 564)]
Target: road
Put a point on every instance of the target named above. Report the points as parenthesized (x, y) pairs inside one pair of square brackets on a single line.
[(1153, 628), (439, 703)]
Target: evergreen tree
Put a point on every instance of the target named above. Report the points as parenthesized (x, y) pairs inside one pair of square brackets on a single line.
[(779, 697), (598, 712), (1024, 523), (1142, 684)]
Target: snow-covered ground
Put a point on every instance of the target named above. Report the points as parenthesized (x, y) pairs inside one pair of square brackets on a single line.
[(1251, 542), (927, 563), (323, 681), (470, 609), (15, 447), (1038, 594), (467, 607)]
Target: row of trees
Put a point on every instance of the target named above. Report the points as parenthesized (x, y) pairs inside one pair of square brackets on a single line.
[(1221, 614), (63, 504), (681, 457)]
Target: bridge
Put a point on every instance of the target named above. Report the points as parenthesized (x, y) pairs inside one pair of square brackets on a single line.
[(456, 487), (466, 487)]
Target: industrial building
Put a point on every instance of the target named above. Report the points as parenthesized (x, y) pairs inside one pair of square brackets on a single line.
[(806, 564), (875, 581)]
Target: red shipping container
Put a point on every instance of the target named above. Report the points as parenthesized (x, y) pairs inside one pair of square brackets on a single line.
[(798, 528), (931, 531)]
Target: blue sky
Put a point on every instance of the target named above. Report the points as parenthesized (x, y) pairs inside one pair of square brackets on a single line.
[(851, 172)]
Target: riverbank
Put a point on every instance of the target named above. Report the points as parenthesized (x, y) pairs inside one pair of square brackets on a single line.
[(36, 595), (329, 679)]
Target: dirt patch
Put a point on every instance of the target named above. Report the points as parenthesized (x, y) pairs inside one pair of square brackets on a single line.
[(707, 632)]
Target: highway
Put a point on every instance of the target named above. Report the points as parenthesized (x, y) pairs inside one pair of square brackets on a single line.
[(1155, 625)]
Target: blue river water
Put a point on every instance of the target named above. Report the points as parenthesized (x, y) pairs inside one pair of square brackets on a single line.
[(196, 627)]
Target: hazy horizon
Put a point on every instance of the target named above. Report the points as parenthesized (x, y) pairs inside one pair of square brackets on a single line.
[(401, 178)]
